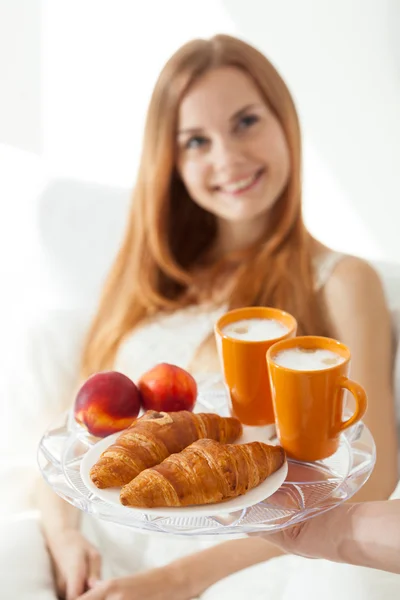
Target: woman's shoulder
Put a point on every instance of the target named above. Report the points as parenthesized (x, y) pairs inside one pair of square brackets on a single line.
[(353, 286), (354, 273), (337, 269)]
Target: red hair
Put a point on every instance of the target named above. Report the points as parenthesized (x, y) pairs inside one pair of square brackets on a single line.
[(168, 233)]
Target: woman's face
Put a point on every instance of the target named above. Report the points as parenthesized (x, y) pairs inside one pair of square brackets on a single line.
[(232, 153)]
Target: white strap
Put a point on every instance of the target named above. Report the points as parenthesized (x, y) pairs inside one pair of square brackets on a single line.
[(324, 268)]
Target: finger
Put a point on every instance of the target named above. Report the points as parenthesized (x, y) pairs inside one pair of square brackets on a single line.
[(59, 580), (99, 592), (60, 586), (94, 568), (76, 579)]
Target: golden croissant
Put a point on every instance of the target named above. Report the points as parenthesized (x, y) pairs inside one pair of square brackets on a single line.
[(153, 437), (204, 473)]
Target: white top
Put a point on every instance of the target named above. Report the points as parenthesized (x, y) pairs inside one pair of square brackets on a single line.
[(174, 338), (325, 266)]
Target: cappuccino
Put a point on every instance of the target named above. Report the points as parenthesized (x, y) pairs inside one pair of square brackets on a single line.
[(255, 330), (307, 359)]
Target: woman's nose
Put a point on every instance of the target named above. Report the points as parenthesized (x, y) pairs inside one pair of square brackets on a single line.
[(225, 154)]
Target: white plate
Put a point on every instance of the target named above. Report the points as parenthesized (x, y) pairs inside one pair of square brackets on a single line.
[(258, 494)]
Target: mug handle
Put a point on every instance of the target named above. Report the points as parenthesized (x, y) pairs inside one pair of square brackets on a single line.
[(360, 397)]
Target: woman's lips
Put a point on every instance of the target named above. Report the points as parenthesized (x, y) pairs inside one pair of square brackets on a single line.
[(241, 185)]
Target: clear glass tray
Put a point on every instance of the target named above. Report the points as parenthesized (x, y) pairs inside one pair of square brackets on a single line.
[(309, 489)]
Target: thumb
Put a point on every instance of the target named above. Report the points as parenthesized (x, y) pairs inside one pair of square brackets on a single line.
[(302, 539), (289, 539)]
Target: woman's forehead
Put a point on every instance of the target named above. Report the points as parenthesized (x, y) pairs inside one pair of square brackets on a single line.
[(218, 94)]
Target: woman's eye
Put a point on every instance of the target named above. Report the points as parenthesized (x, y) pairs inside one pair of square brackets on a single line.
[(248, 121), (195, 142)]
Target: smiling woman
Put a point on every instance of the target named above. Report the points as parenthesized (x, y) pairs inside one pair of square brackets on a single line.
[(217, 198), (216, 223)]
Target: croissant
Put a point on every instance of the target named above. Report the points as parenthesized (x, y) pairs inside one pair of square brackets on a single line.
[(204, 473), (153, 437)]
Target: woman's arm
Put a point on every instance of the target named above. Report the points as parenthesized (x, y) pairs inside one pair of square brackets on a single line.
[(364, 534), (195, 573), (76, 562), (56, 514), (360, 318)]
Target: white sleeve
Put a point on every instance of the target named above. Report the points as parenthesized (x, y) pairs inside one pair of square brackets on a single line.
[(39, 367)]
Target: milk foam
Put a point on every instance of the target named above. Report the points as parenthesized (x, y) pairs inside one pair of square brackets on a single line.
[(307, 359), (255, 330)]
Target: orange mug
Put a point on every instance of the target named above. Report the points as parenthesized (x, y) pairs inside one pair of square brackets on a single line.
[(309, 376), (243, 362)]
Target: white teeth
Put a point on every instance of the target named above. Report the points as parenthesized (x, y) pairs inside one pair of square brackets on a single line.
[(239, 185)]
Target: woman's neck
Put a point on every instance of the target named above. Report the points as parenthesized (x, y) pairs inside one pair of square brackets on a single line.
[(234, 237)]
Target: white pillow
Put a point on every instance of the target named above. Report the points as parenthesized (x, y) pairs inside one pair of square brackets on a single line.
[(25, 568), (38, 378)]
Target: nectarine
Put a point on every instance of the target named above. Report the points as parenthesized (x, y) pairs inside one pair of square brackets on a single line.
[(107, 402), (167, 388)]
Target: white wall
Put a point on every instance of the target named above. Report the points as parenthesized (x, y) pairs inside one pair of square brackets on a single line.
[(77, 76), (341, 60), (100, 62), (20, 73)]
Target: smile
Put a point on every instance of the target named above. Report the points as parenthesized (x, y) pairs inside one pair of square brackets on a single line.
[(242, 185)]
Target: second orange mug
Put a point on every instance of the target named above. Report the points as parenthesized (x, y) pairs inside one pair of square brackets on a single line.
[(308, 402), (243, 363)]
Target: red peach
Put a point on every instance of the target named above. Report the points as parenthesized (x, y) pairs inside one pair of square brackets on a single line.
[(167, 388), (107, 402)]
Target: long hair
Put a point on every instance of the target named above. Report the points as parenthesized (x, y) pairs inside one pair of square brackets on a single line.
[(167, 233)]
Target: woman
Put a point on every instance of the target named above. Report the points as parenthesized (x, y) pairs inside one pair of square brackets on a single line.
[(216, 223)]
